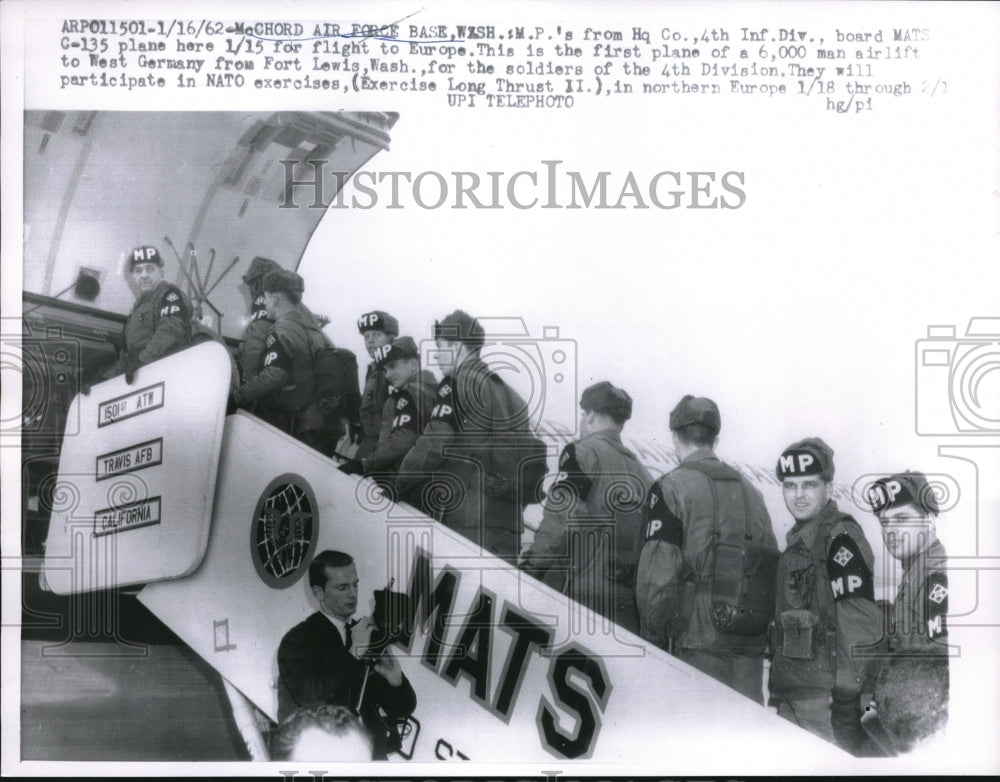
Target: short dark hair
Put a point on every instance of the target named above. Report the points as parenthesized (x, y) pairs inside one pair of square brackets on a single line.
[(291, 296), (323, 560), (696, 434), (332, 719)]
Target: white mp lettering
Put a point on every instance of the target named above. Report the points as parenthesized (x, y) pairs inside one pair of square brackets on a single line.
[(837, 586), (805, 461), (876, 497)]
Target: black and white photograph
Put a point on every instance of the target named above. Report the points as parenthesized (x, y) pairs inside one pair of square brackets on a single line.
[(555, 390)]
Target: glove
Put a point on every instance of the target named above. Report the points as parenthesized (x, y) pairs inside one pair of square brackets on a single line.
[(131, 367), (351, 467), (329, 405), (845, 716), (532, 567)]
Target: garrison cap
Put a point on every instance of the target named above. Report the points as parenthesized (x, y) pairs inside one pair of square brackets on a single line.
[(810, 456), (605, 398), (460, 326), (378, 321), (283, 281), (144, 254), (402, 347), (902, 489), (258, 268), (696, 410)]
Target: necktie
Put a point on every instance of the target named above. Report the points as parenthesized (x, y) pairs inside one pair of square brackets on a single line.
[(348, 641)]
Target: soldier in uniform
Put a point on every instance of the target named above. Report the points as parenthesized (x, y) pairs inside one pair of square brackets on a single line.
[(281, 390), (907, 509), (826, 620), (379, 329), (701, 503), (454, 452), (593, 510), (406, 411), (160, 321), (257, 328)]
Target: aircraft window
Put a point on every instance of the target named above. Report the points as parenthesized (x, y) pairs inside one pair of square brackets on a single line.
[(284, 531)]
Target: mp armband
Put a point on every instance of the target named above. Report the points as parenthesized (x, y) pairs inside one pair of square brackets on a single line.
[(661, 523), (850, 576)]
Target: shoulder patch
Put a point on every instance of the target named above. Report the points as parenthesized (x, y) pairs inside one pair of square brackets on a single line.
[(405, 417), (661, 523), (937, 604), (444, 405), (275, 354), (571, 477), (173, 306), (258, 309), (850, 576)]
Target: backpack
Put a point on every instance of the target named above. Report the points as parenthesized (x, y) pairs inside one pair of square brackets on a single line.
[(335, 377), (518, 459), (742, 573)]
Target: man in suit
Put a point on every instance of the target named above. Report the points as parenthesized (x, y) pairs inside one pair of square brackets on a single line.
[(323, 659)]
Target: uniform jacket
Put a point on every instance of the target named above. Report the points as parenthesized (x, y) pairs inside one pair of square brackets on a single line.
[(315, 668), (825, 609), (673, 575), (454, 452), (284, 380), (404, 416), (919, 614), (597, 499), (373, 400), (253, 340), (159, 324)]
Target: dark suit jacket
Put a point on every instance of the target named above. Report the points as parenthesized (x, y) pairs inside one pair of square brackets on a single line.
[(315, 668)]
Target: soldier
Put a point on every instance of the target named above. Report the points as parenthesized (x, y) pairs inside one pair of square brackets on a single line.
[(379, 329), (160, 321), (825, 615), (257, 328), (472, 406), (406, 411), (689, 512), (594, 511), (281, 390), (908, 510)]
